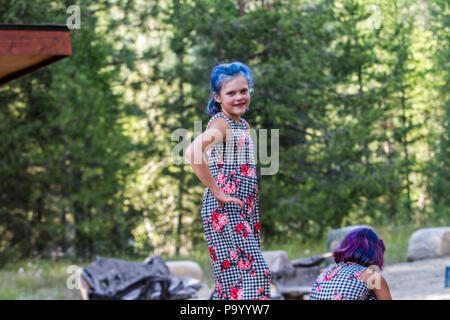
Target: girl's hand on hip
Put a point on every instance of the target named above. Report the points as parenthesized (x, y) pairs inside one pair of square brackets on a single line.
[(223, 198)]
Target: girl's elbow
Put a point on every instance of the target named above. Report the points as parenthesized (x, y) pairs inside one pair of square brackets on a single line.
[(188, 153)]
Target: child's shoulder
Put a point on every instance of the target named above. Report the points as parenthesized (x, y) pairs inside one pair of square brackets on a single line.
[(218, 122)]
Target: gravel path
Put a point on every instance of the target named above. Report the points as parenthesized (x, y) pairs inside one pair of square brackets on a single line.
[(418, 280)]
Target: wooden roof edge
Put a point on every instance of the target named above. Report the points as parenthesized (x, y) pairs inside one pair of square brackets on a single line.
[(37, 27)]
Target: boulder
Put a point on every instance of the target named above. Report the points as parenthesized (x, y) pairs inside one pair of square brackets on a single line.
[(335, 236), (276, 259), (429, 243), (185, 268)]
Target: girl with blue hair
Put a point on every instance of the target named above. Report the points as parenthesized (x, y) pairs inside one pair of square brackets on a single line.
[(223, 73), (230, 207)]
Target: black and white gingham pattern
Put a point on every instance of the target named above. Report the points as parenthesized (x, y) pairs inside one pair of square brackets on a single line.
[(232, 233), (341, 285)]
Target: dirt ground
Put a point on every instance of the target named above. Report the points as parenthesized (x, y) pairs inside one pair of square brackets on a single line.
[(418, 280)]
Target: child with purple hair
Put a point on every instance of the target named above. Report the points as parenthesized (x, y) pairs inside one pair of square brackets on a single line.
[(355, 275)]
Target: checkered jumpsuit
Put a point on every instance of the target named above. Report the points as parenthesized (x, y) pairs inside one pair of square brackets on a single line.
[(233, 234), (341, 281)]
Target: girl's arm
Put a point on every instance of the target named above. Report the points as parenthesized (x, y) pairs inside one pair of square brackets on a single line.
[(218, 131), (383, 292), (377, 283)]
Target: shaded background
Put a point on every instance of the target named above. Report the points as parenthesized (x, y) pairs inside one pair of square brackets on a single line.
[(363, 110)]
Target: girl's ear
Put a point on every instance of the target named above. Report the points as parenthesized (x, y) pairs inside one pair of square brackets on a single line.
[(217, 97)]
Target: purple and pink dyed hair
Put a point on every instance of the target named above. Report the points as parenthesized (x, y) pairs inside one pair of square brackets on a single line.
[(362, 246)]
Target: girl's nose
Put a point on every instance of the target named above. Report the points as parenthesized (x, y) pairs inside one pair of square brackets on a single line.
[(240, 97)]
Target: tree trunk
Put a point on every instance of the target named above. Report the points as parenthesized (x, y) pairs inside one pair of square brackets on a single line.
[(241, 7), (181, 177), (405, 149)]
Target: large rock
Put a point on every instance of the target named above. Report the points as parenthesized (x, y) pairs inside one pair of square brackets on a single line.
[(185, 268), (335, 236), (429, 243), (276, 259)]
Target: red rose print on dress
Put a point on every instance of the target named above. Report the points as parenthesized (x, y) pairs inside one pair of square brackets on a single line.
[(241, 260), (331, 275), (229, 188), (221, 178), (223, 219), (251, 206), (244, 264), (219, 289), (267, 274), (219, 220), (321, 278), (257, 227), (225, 265), (337, 296), (220, 163), (261, 294), (356, 276), (247, 226), (234, 255), (236, 294), (244, 170), (256, 191), (247, 171), (212, 253), (242, 230)]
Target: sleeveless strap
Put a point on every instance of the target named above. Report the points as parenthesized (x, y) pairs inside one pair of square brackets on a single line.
[(233, 124)]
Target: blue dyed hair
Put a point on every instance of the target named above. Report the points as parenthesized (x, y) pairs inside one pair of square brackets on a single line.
[(362, 246), (223, 73)]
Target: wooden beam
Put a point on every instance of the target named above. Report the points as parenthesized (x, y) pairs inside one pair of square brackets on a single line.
[(26, 48)]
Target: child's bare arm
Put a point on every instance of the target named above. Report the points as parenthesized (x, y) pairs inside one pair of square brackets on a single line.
[(383, 293), (377, 283), (218, 131)]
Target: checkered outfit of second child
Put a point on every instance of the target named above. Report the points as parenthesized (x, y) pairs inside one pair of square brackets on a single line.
[(232, 233), (341, 281)]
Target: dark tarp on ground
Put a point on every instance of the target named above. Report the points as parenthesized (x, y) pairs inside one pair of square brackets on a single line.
[(117, 279)]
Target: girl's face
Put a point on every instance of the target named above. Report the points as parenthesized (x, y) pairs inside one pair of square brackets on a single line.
[(234, 97)]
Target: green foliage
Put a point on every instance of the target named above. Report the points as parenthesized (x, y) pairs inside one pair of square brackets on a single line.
[(87, 165), (64, 174), (439, 167)]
